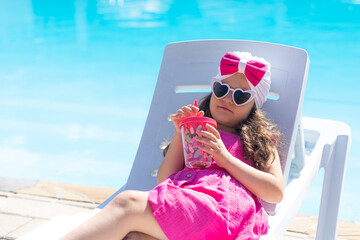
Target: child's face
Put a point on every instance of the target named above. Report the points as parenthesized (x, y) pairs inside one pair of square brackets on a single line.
[(224, 110)]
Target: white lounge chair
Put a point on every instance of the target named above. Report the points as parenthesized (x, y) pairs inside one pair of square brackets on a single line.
[(309, 143)]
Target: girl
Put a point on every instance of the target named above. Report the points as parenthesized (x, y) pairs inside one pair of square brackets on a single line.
[(219, 202)]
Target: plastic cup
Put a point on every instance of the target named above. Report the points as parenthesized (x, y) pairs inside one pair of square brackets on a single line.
[(194, 157)]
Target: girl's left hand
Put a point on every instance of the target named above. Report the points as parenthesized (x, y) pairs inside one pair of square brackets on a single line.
[(214, 146)]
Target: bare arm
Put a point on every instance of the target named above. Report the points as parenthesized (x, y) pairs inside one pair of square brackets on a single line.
[(174, 158), (267, 185)]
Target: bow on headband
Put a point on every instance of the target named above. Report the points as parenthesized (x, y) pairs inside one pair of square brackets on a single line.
[(253, 70)]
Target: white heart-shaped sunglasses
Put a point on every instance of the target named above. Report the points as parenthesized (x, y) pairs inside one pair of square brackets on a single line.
[(239, 96)]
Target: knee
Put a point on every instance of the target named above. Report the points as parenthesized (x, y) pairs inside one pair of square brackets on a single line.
[(127, 202)]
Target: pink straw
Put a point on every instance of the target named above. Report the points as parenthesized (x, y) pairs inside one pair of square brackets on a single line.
[(195, 104)]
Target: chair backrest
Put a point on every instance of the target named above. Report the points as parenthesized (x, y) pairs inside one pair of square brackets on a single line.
[(185, 74)]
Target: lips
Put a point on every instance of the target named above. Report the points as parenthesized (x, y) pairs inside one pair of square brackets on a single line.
[(225, 108)]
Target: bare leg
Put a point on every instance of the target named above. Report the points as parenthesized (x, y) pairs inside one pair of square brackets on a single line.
[(127, 212)]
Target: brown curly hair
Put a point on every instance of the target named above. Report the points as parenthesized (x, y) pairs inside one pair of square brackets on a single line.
[(258, 134)]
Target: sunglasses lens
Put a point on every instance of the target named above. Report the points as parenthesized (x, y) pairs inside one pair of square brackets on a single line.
[(220, 90), (241, 97)]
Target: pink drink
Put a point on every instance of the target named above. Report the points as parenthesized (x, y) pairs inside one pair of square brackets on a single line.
[(194, 157)]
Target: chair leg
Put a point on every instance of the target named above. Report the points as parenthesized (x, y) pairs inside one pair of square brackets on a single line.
[(332, 190)]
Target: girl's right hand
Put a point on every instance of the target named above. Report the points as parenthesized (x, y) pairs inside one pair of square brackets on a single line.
[(184, 112)]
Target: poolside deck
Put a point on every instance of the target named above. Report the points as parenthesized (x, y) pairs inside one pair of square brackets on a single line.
[(27, 204)]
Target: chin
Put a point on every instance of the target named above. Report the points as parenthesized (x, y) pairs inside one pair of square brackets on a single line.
[(225, 123)]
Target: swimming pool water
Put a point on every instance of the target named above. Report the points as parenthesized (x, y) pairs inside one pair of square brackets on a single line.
[(77, 77)]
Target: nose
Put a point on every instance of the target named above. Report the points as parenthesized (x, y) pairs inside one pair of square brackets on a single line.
[(228, 98)]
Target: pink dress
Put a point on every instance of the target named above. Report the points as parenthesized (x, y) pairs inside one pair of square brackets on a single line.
[(208, 203)]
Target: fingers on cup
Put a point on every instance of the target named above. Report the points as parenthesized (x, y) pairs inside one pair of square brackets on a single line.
[(174, 117), (190, 110), (207, 135), (195, 108), (206, 149), (200, 113), (210, 132), (207, 142), (209, 147), (213, 130), (181, 113)]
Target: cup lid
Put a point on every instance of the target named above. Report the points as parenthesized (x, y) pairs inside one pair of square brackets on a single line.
[(202, 120)]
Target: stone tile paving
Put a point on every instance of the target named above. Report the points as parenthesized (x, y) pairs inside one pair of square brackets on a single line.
[(304, 227), (20, 213)]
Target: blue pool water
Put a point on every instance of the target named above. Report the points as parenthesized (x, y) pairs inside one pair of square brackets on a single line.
[(77, 77)]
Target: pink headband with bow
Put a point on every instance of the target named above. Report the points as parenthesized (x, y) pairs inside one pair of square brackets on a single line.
[(256, 71), (253, 70)]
